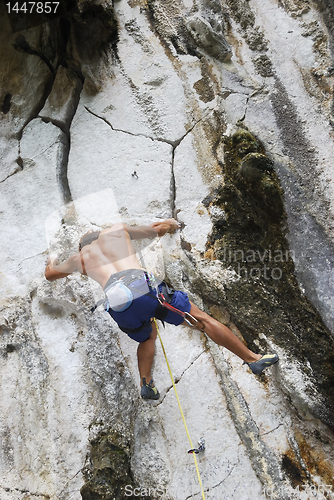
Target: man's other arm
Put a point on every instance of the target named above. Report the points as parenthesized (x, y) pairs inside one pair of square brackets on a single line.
[(55, 271)]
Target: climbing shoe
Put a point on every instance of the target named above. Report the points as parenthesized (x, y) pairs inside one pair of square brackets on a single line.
[(257, 367), (149, 391)]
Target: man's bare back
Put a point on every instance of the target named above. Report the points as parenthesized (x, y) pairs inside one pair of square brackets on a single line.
[(112, 252)]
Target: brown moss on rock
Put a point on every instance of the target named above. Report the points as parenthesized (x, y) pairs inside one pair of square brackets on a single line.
[(204, 89), (251, 240)]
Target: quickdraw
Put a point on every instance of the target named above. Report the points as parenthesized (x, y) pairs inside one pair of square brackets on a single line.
[(151, 281), (201, 447), (186, 316)]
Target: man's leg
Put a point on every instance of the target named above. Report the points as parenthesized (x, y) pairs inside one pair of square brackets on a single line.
[(222, 335), (145, 355)]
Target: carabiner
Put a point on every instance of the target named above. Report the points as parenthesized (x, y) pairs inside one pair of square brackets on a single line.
[(191, 319)]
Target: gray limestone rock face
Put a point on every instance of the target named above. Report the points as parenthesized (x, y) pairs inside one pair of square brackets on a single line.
[(219, 114)]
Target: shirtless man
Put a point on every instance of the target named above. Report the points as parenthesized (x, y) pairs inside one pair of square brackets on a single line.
[(109, 257)]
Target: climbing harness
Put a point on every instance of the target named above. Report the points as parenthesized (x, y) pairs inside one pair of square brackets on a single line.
[(163, 297), (193, 450)]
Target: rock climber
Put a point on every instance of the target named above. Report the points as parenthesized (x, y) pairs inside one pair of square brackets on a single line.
[(109, 257)]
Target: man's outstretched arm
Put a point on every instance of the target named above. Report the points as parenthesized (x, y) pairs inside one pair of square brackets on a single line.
[(54, 271), (153, 230)]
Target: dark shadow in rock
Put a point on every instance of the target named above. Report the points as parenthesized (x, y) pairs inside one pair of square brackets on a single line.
[(108, 477)]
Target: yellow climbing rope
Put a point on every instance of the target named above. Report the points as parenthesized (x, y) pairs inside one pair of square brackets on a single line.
[(182, 415)]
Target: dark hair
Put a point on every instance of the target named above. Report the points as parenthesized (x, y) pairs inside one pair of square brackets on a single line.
[(87, 238)]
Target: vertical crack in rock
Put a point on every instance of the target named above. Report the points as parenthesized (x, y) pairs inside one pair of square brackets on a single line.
[(61, 169), (6, 103), (63, 100), (245, 113), (265, 463), (175, 144), (62, 118), (173, 188)]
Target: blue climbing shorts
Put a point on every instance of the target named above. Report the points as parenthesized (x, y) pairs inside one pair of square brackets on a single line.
[(139, 305)]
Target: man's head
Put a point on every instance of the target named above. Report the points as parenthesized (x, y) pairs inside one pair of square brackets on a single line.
[(88, 238)]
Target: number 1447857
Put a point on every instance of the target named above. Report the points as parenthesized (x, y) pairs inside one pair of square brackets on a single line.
[(30, 7)]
